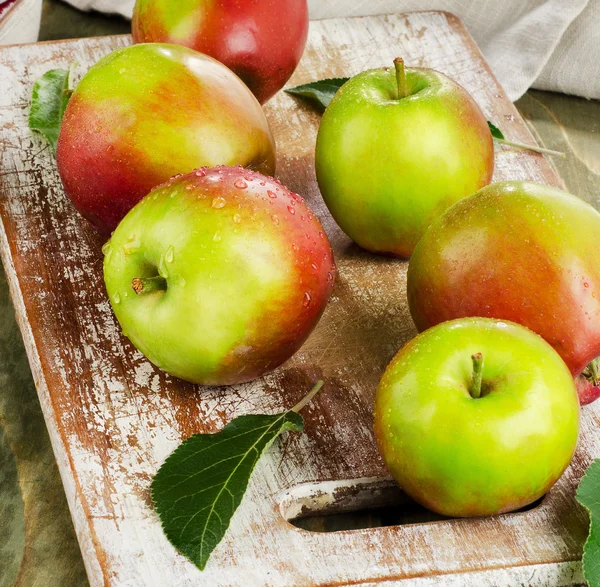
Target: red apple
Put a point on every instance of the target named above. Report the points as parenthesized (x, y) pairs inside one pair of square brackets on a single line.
[(145, 113), (220, 275), (517, 251), (262, 41)]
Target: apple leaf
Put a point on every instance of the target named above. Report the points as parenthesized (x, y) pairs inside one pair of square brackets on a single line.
[(321, 92), (496, 132), (198, 488), (50, 96), (588, 495)]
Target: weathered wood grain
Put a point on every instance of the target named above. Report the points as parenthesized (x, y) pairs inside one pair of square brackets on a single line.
[(113, 418)]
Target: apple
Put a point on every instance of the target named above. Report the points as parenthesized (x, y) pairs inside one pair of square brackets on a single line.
[(517, 251), (588, 384), (143, 114), (476, 417), (395, 149), (219, 276), (262, 41)]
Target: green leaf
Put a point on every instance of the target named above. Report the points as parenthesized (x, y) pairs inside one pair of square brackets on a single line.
[(496, 132), (588, 495), (200, 485), (321, 92), (49, 100)]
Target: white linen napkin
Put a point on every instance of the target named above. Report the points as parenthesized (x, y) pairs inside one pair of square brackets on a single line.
[(20, 21), (548, 44)]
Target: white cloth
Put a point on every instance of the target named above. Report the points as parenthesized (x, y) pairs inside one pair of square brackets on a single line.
[(548, 44), (20, 23)]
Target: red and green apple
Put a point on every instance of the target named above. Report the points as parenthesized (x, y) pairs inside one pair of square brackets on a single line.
[(262, 41), (396, 147), (147, 112), (219, 276), (517, 251), (476, 417)]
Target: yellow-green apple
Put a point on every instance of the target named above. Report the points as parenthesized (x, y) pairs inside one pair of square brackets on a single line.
[(262, 41), (518, 251), (219, 276), (395, 149), (476, 417), (145, 113)]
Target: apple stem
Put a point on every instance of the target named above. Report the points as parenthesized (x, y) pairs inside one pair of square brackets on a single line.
[(400, 77), (475, 389), (591, 372), (308, 398), (530, 148), (145, 285)]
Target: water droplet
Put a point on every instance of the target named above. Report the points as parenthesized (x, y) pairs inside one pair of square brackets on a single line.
[(219, 203), (170, 254), (329, 276), (132, 244), (240, 184), (122, 70), (116, 298), (275, 219), (162, 267), (188, 188), (314, 266), (217, 237), (106, 248), (237, 218), (295, 247), (200, 173), (271, 194), (291, 210), (110, 149), (586, 284), (307, 299)]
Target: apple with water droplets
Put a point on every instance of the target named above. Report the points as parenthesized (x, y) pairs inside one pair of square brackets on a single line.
[(518, 251), (220, 275), (395, 149), (476, 417), (145, 113), (262, 41)]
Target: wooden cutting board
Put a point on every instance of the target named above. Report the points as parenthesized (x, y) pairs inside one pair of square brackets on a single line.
[(113, 417)]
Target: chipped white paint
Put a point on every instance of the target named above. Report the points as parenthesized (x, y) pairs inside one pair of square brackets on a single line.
[(113, 417)]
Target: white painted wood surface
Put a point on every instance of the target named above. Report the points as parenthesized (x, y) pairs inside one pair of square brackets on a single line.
[(113, 417)]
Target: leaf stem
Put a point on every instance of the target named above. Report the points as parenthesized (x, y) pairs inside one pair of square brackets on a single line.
[(475, 389), (308, 398), (400, 77), (531, 148), (145, 285)]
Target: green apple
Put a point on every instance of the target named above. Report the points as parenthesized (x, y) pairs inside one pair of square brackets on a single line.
[(395, 149), (219, 276), (476, 417)]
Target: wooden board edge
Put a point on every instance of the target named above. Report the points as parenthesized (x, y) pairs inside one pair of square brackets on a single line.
[(83, 529)]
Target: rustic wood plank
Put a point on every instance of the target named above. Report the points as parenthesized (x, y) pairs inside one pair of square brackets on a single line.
[(113, 418)]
